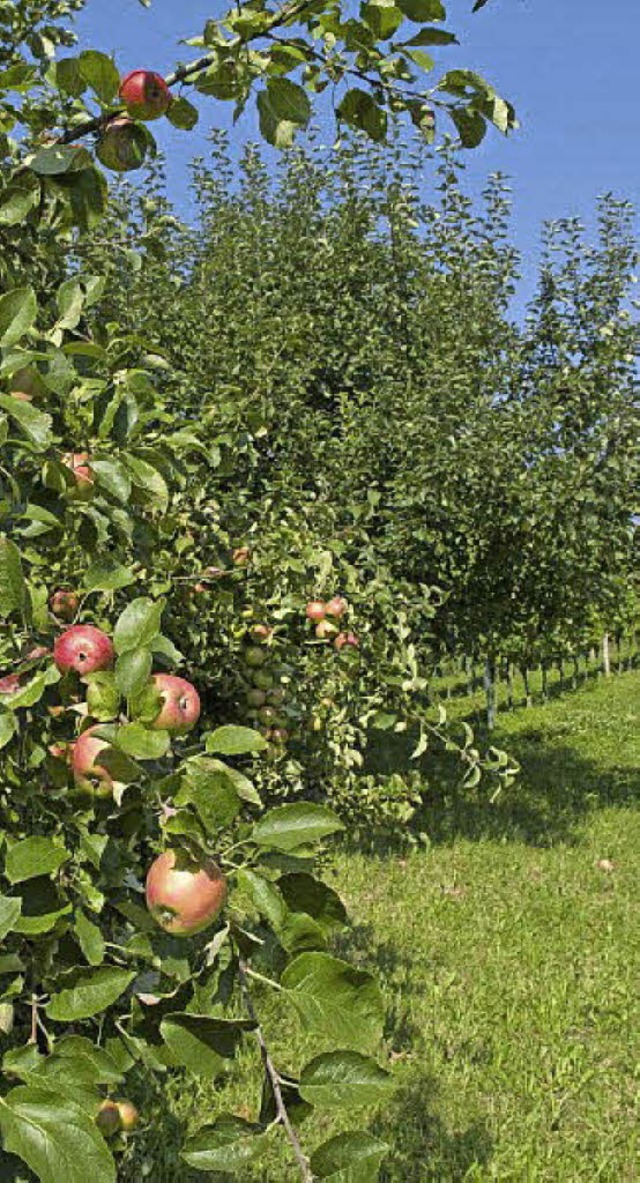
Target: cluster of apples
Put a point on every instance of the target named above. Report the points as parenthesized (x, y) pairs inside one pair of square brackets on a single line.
[(115, 1117), (264, 698), (324, 615), (123, 144)]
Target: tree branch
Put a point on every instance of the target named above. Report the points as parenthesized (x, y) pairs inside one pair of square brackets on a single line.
[(273, 1076)]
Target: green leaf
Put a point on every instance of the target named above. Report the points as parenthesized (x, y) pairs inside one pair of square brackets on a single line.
[(133, 670), (382, 17), (202, 1043), (8, 728), (18, 311), (42, 906), (227, 1145), (17, 202), (344, 1080), (93, 991), (106, 574), (302, 893), (13, 589), (208, 785), (141, 743), (432, 37), (90, 939), (151, 482), (479, 4), (138, 625), (59, 160), (283, 107), (101, 74), (33, 691), (67, 77), (300, 824), (113, 477), (360, 110), (349, 1158), (103, 696), (91, 1064), (334, 998), (264, 895), (57, 1139), (423, 11), (10, 910), (471, 125), (35, 424), (235, 741), (33, 857), (182, 114)]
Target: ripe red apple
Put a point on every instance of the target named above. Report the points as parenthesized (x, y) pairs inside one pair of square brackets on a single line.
[(129, 1116), (122, 146), (316, 610), (336, 607), (145, 94), (108, 1119), (9, 684), (77, 462), (241, 556), (325, 630), (255, 656), (346, 639), (184, 895), (83, 648), (180, 708), (64, 604), (90, 776)]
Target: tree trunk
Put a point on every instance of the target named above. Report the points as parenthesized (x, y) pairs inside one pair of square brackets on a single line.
[(490, 691), (606, 657), (527, 689)]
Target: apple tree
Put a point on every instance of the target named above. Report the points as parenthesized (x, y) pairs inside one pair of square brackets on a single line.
[(144, 888)]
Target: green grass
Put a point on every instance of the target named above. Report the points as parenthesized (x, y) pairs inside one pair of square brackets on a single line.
[(510, 962)]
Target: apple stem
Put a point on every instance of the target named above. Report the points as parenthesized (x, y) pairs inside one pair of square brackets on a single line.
[(271, 1071)]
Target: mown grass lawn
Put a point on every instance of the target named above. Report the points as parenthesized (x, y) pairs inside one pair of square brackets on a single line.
[(509, 953)]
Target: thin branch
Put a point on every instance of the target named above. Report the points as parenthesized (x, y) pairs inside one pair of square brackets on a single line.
[(273, 1076)]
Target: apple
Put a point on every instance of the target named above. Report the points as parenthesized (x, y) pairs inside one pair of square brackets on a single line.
[(346, 639), (108, 1119), (256, 698), (77, 462), (83, 648), (325, 630), (263, 679), (275, 697), (200, 588), (241, 556), (336, 607), (316, 610), (122, 146), (260, 632), (64, 604), (180, 708), (268, 716), (280, 734), (145, 94), (129, 1116), (184, 894), (89, 775), (254, 656), (10, 684)]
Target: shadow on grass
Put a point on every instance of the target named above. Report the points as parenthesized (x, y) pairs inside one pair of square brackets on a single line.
[(555, 792), (422, 1149)]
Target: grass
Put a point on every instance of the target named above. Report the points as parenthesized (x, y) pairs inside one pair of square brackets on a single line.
[(509, 954)]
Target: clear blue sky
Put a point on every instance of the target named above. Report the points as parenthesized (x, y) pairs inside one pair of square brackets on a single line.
[(569, 66)]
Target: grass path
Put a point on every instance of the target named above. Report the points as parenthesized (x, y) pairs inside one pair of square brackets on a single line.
[(509, 951)]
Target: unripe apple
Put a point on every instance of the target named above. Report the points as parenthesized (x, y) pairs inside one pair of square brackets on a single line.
[(346, 639), (180, 708), (184, 895), (64, 604), (83, 648), (90, 776), (83, 473), (316, 610), (275, 697), (263, 679), (280, 735), (122, 146), (10, 684), (256, 698), (268, 716), (145, 94), (129, 1116), (241, 556), (325, 630), (108, 1119), (254, 656), (336, 607)]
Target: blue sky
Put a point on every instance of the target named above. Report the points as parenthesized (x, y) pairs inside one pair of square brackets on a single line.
[(569, 66)]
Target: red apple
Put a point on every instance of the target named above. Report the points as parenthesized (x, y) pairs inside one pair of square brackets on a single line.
[(108, 1119), (90, 776), (260, 632), (346, 639), (64, 604), (77, 462), (184, 895), (9, 684), (336, 607), (180, 708), (145, 94), (122, 146), (129, 1116), (316, 610), (325, 630), (83, 648)]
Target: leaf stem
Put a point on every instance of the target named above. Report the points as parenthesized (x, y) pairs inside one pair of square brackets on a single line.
[(273, 1075)]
